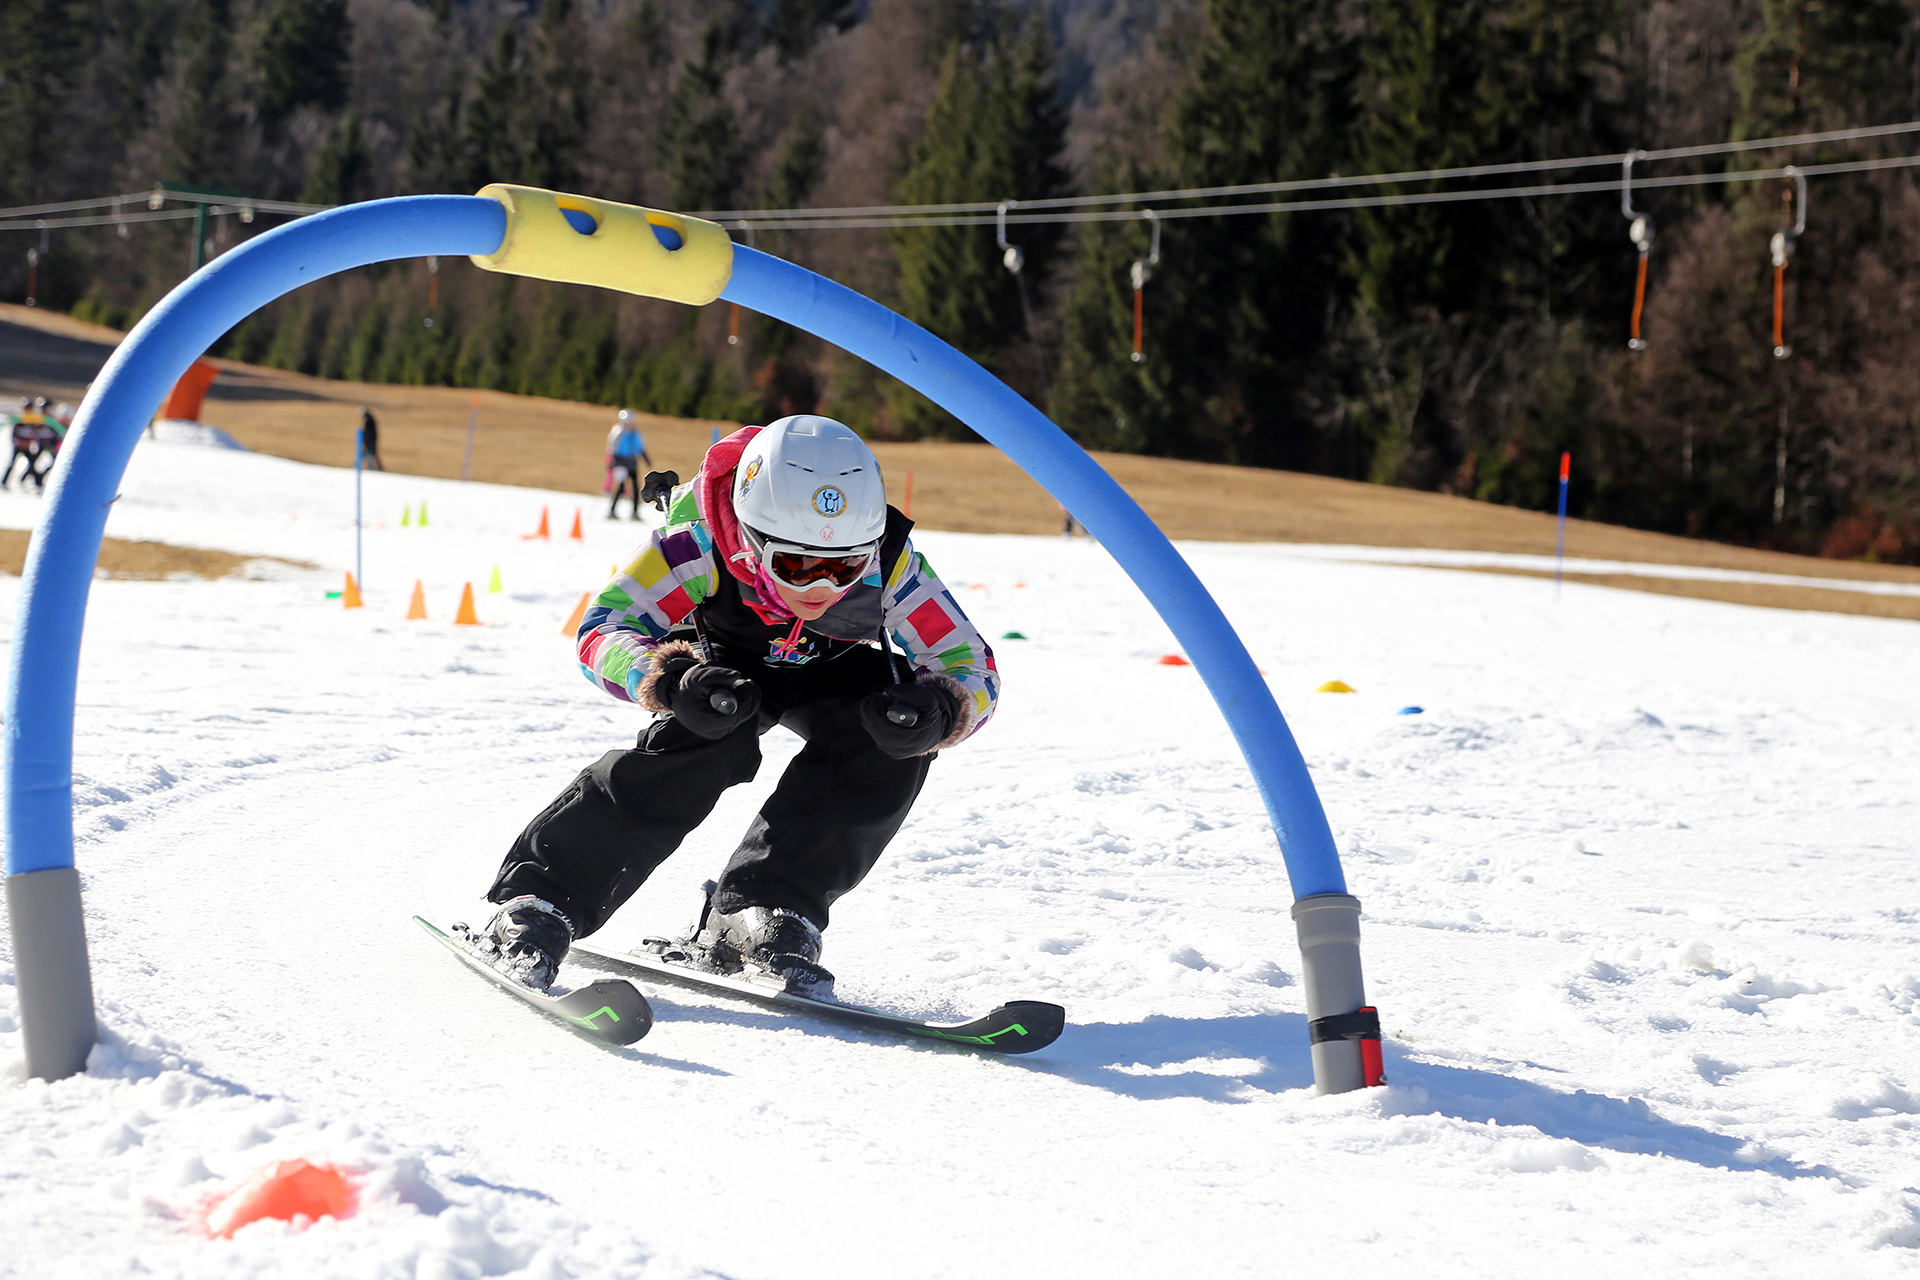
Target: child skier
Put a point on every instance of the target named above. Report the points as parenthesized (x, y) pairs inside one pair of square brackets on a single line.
[(626, 450), (767, 598)]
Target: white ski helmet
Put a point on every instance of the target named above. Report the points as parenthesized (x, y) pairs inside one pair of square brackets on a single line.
[(812, 482)]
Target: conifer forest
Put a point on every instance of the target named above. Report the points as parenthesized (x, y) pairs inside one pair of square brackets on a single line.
[(1458, 347)]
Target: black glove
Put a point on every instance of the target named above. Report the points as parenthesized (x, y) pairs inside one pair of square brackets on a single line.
[(906, 720), (711, 701)]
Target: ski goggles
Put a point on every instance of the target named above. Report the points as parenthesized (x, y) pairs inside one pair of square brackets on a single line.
[(801, 568)]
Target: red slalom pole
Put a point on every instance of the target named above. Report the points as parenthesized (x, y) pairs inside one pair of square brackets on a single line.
[(1560, 543)]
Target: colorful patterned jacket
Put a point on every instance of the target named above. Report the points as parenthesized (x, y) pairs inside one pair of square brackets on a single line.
[(677, 571)]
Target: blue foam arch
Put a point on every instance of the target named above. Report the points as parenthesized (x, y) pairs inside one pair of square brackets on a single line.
[(45, 660), (863, 327)]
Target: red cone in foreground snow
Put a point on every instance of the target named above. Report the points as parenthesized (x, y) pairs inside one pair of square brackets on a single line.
[(287, 1190)]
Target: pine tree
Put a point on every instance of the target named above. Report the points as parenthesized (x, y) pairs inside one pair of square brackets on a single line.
[(1439, 292), (699, 139), (1235, 314), (793, 26), (342, 171), (205, 140), (304, 59), (994, 131), (42, 52), (491, 150), (553, 118)]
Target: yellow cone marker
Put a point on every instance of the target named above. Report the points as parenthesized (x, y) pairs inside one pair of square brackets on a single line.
[(1335, 686), (493, 584)]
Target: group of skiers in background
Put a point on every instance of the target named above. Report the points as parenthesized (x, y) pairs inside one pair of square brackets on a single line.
[(38, 430)]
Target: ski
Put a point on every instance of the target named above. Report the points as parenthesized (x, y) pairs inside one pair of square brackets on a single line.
[(610, 1010), (1019, 1026)]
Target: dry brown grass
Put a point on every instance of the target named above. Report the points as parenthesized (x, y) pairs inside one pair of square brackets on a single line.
[(975, 488), (151, 560)]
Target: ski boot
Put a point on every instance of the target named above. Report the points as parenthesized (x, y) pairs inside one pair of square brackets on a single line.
[(526, 940), (772, 940)]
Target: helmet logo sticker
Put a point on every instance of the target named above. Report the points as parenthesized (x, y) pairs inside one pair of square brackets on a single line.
[(826, 533), (747, 479), (829, 501)]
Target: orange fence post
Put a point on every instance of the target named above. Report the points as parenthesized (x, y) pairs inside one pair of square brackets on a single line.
[(183, 401)]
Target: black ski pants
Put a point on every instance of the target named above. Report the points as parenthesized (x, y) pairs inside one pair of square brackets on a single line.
[(825, 825), (628, 487)]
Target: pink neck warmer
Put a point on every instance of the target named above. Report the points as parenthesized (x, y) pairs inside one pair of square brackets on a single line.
[(713, 494)]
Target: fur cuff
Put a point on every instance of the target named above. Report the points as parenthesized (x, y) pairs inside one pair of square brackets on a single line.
[(963, 724), (648, 694)]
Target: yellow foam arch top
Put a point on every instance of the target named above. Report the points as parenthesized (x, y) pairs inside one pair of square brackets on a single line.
[(621, 252)]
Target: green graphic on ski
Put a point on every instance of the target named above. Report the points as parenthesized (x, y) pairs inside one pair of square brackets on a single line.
[(611, 1010), (1019, 1026)]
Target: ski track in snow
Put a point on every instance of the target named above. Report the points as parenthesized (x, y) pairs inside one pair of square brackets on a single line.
[(1640, 912)]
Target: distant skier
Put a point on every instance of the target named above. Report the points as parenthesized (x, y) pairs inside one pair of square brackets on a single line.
[(25, 444), (626, 450), (370, 441), (49, 433), (765, 599)]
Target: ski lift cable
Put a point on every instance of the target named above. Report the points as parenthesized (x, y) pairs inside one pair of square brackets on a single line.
[(761, 217), (1312, 184), (1348, 202), (163, 193), (104, 220)]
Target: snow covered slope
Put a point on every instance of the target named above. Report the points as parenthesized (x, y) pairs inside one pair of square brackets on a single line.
[(1641, 910)]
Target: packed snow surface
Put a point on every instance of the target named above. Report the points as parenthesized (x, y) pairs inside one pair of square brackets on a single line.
[(1641, 902)]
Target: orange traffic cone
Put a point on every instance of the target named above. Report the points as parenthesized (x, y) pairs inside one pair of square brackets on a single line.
[(287, 1190), (417, 610), (540, 533), (577, 535), (466, 617), (574, 619), (350, 597)]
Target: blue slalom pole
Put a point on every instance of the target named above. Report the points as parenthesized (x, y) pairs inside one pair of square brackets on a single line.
[(359, 452), (1560, 540)]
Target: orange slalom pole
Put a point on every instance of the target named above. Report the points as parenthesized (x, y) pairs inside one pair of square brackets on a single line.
[(1779, 308), (1634, 341)]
